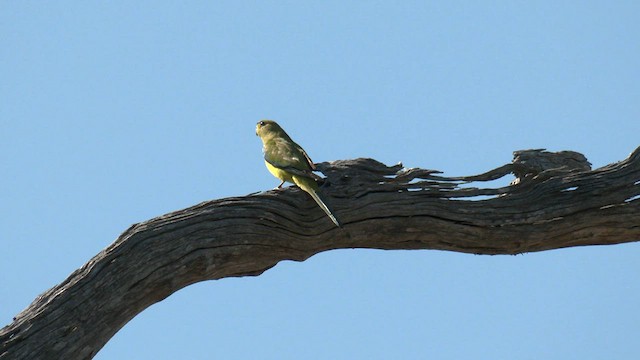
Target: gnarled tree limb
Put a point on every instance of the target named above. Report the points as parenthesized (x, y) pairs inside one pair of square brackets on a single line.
[(556, 201)]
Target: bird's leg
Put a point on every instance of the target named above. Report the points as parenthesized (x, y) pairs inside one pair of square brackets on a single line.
[(279, 186)]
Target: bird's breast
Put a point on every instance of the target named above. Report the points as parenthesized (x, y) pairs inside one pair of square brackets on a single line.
[(279, 173)]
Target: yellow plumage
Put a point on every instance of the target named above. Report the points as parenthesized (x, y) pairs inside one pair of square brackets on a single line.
[(279, 173)]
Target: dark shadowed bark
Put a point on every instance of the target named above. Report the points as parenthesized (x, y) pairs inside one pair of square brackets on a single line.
[(555, 201)]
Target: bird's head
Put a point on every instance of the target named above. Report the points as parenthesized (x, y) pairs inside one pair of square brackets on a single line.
[(269, 129)]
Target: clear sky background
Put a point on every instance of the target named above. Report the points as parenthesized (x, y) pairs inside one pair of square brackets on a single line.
[(114, 112)]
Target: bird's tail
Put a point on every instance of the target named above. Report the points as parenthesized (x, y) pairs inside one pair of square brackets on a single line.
[(324, 207)]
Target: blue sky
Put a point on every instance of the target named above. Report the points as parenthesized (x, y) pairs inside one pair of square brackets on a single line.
[(116, 112)]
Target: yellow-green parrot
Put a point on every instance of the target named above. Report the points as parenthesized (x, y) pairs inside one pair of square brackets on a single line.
[(287, 161)]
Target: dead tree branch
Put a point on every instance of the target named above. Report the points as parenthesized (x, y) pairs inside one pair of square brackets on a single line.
[(555, 201)]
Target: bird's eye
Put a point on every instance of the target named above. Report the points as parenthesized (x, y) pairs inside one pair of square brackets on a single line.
[(261, 123)]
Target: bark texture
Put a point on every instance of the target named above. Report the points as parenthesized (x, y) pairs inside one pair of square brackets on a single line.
[(555, 201)]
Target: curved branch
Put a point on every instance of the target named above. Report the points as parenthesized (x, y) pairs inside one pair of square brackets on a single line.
[(556, 201)]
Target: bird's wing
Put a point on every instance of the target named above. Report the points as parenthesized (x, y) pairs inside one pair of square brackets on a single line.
[(289, 156), (307, 158)]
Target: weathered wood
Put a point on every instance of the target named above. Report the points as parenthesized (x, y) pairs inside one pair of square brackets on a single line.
[(556, 201)]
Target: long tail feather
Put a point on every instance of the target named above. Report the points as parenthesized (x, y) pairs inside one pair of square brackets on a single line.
[(324, 207)]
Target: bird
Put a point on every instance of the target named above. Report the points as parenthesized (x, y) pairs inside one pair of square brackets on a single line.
[(287, 161)]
